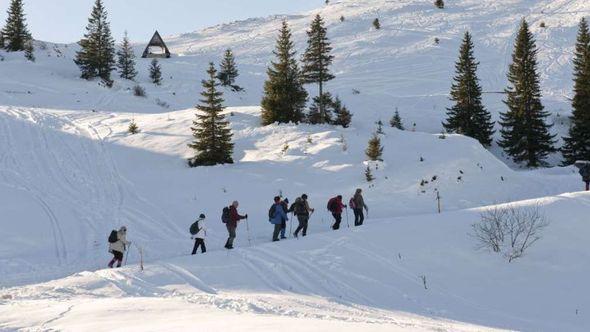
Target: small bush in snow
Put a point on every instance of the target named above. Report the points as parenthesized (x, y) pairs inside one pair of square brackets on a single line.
[(138, 91), (133, 128), (436, 41), (543, 25), (440, 4), (285, 148), (342, 18), (369, 174), (510, 230), (162, 103), (376, 24)]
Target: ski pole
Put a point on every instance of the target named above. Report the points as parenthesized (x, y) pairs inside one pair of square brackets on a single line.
[(347, 223), (291, 224), (127, 253), (248, 231)]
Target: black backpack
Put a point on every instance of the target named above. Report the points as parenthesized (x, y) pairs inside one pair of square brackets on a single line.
[(113, 237), (195, 228), (271, 212), (332, 204), (225, 215)]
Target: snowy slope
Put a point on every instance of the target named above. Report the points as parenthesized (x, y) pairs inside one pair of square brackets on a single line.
[(361, 276)]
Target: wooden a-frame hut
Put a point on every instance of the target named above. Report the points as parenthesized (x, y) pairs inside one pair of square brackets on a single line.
[(156, 48)]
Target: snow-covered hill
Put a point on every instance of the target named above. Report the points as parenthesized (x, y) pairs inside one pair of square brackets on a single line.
[(70, 172)]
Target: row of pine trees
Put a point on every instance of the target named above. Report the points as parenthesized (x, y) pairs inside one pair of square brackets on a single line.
[(525, 133)]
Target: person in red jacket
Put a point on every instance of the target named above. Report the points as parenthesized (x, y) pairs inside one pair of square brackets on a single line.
[(232, 224), (336, 206)]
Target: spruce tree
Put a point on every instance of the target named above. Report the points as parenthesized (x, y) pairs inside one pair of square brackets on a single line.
[(369, 174), (440, 4), (374, 150), (96, 57), (228, 72), (577, 144), (317, 60), (525, 134), (15, 32), (468, 116), (284, 96), (376, 24), (315, 115), (29, 51), (126, 60), (133, 128), (211, 131), (156, 72), (342, 115), (396, 121)]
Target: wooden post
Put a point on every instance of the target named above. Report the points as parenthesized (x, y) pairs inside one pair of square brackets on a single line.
[(438, 201)]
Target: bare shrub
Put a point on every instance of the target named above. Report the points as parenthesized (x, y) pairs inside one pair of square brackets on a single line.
[(510, 230), (138, 91)]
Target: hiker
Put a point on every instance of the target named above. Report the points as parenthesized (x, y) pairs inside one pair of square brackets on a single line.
[(276, 216), (285, 205), (118, 245), (199, 231), (231, 222), (357, 204), (335, 206), (302, 210)]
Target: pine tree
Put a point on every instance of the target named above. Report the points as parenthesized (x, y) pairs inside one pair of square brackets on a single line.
[(468, 116), (577, 144), (343, 117), (284, 96), (525, 135), (376, 24), (315, 115), (228, 72), (156, 72), (133, 128), (29, 51), (16, 33), (126, 60), (440, 4), (396, 121), (374, 150), (369, 174), (211, 131), (380, 127), (317, 60), (96, 57)]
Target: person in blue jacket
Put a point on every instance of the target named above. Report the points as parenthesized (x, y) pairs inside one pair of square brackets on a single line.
[(276, 216)]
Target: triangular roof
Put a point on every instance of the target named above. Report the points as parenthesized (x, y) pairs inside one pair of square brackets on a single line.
[(158, 42)]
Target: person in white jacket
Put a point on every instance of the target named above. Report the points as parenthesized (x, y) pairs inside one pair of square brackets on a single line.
[(200, 236), (119, 247)]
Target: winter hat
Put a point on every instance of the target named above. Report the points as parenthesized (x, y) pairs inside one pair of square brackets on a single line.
[(235, 203), (359, 190), (304, 196), (202, 216), (277, 199), (287, 200)]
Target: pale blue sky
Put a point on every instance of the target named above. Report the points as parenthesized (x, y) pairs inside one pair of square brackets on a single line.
[(64, 20)]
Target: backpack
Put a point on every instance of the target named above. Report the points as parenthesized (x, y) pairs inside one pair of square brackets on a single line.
[(195, 228), (352, 203), (113, 237), (299, 208), (272, 211), (225, 215), (332, 204)]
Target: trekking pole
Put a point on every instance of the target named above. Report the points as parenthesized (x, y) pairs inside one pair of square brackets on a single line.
[(347, 223), (291, 224), (248, 231), (127, 253)]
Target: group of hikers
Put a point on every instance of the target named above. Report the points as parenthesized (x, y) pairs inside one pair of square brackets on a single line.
[(277, 216)]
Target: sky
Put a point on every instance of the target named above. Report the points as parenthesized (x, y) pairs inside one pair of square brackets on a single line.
[(63, 21)]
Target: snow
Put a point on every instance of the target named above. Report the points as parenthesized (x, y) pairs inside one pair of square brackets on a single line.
[(70, 173)]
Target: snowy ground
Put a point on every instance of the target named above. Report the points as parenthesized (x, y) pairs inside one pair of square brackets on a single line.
[(69, 173)]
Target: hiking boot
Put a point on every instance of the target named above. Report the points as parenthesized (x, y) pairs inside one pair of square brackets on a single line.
[(283, 237), (295, 235)]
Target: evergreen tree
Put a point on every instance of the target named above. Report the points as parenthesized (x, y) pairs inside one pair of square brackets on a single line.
[(525, 135), (577, 144), (380, 127), (96, 57), (29, 51), (468, 116), (156, 72), (440, 4), (315, 115), (317, 60), (342, 116), (1, 38), (126, 60), (212, 135), (374, 150), (376, 24), (228, 72), (396, 121), (369, 174), (16, 34), (133, 128), (284, 96)]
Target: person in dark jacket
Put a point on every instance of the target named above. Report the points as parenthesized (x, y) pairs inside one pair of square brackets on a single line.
[(285, 205), (276, 217), (336, 206), (234, 218), (302, 210), (200, 236), (358, 204)]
